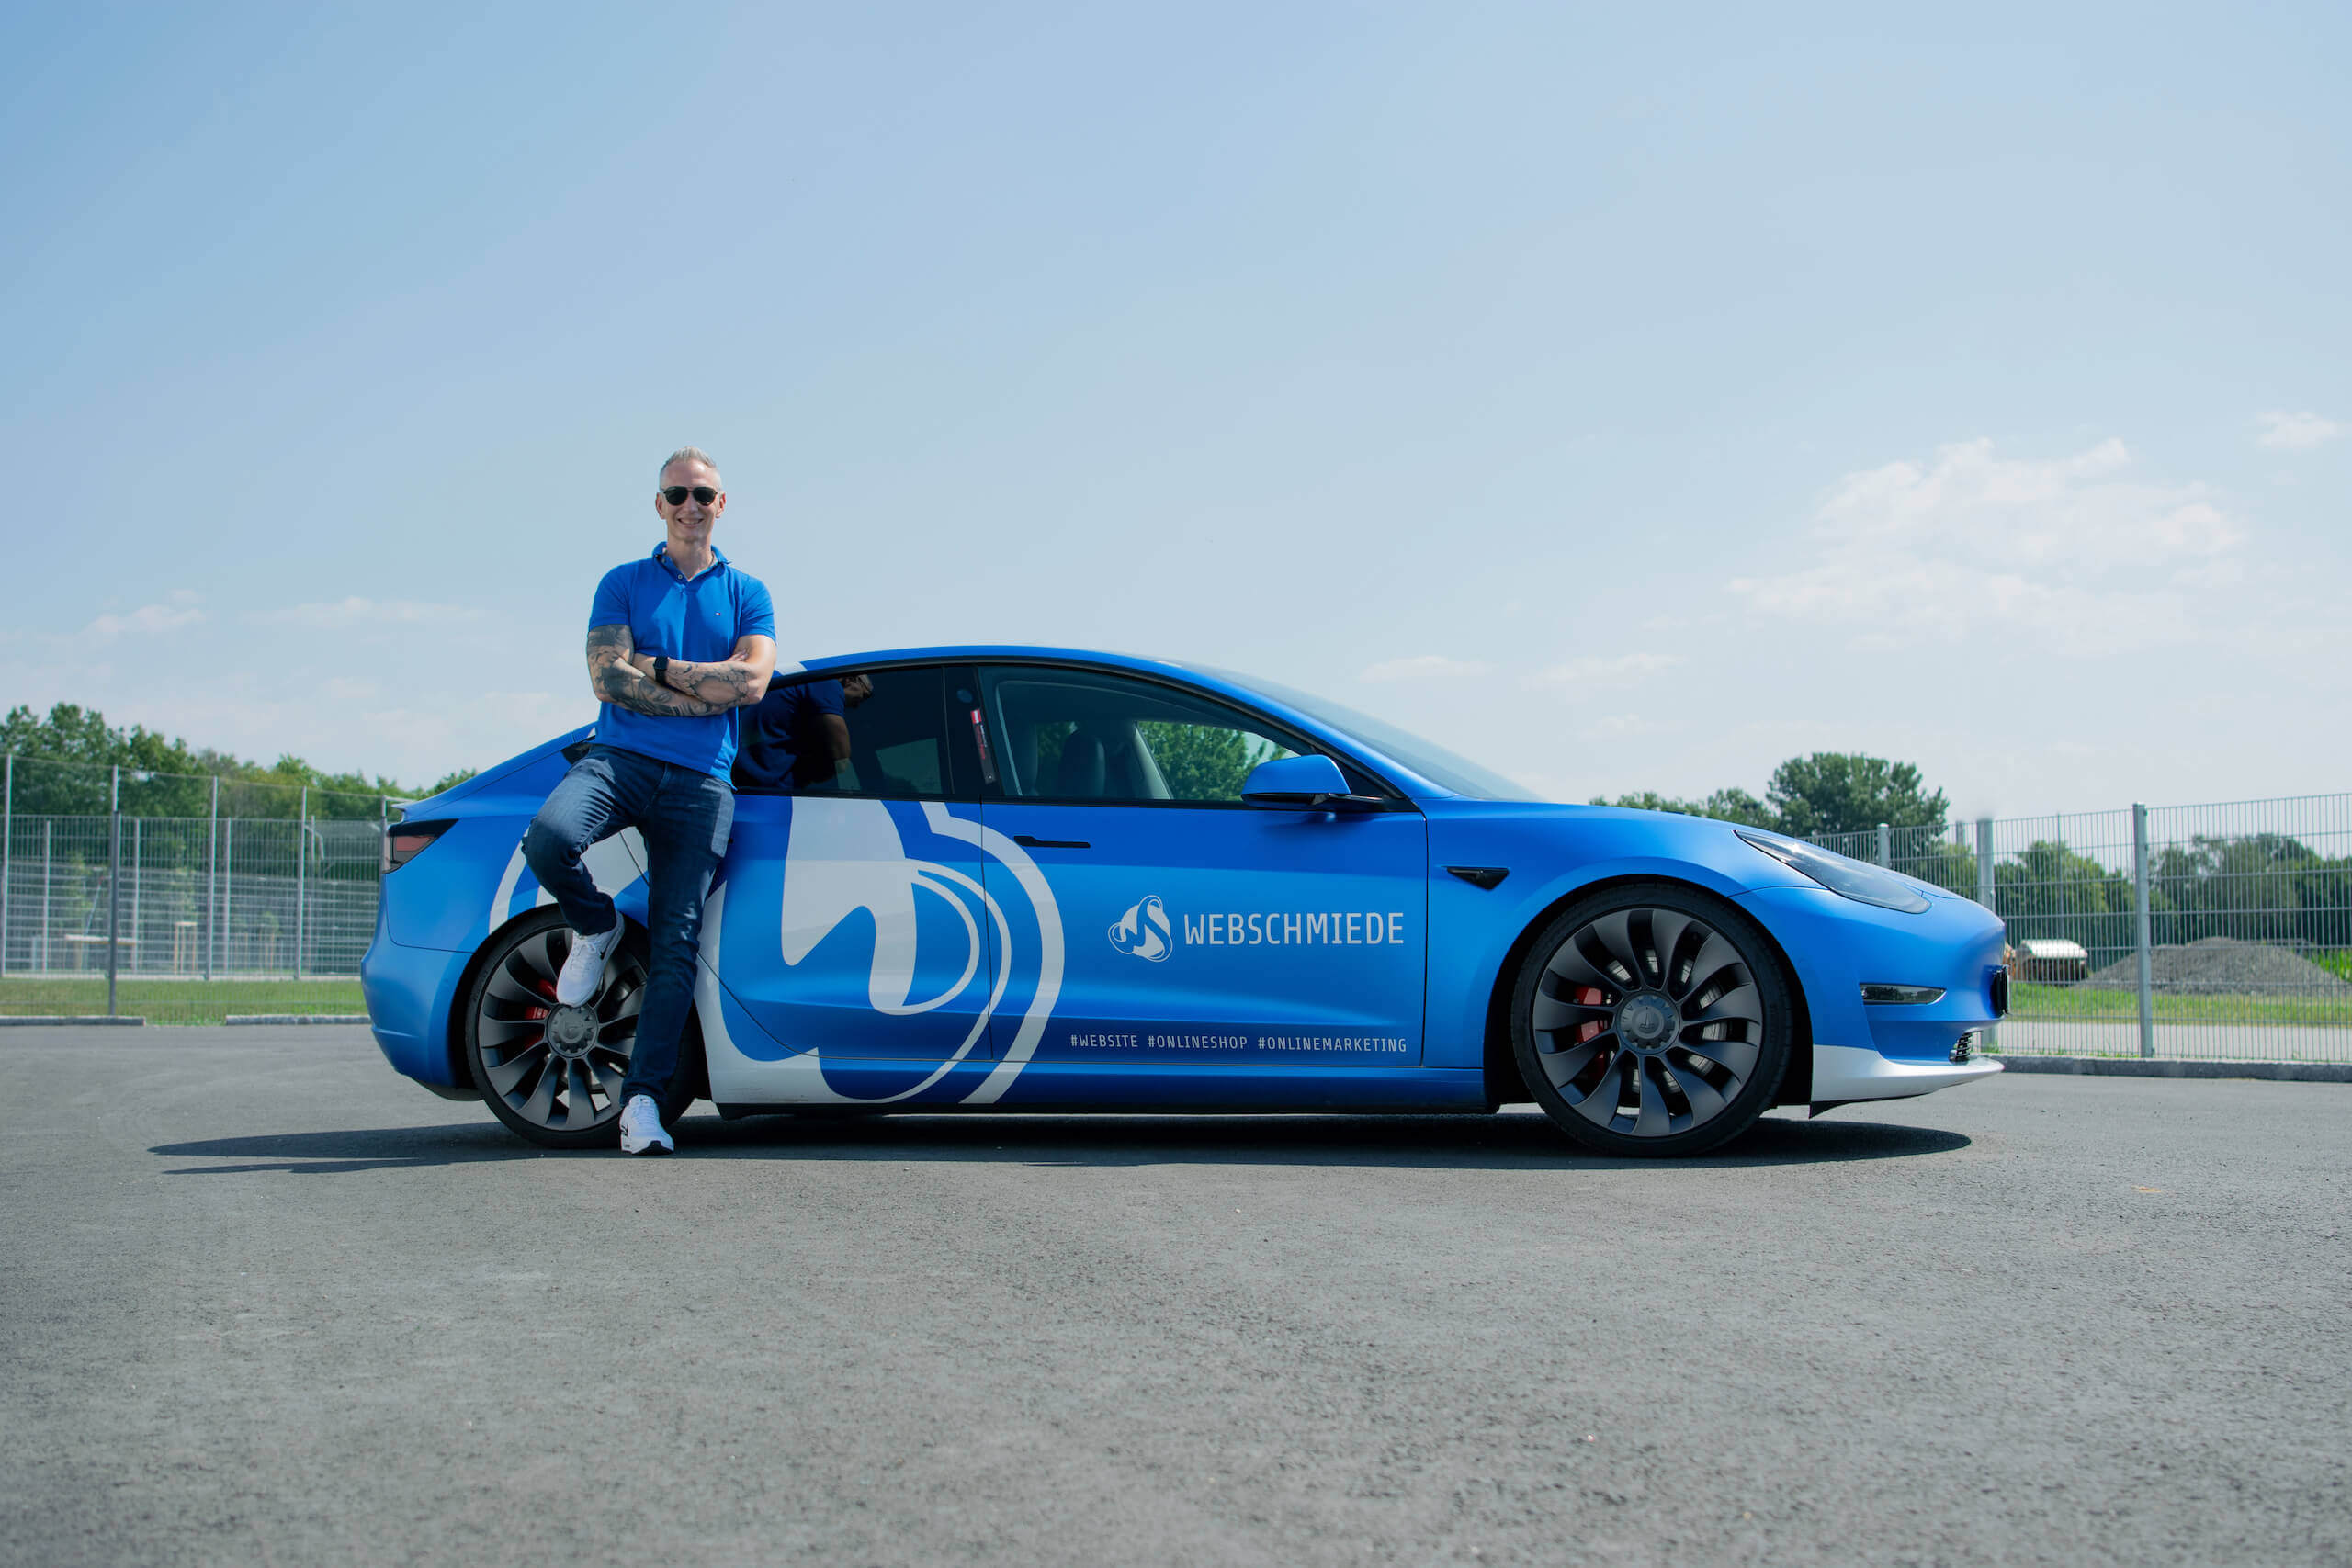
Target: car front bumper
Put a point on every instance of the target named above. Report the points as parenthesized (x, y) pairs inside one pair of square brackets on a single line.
[(1863, 1050), (1842, 1073)]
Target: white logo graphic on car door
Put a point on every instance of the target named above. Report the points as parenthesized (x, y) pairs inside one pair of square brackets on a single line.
[(1142, 931), (844, 855)]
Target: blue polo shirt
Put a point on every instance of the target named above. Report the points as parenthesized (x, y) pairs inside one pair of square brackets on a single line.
[(698, 621)]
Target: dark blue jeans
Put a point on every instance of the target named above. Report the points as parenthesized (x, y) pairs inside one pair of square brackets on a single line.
[(684, 817)]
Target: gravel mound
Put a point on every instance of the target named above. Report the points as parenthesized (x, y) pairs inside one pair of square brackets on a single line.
[(2221, 964)]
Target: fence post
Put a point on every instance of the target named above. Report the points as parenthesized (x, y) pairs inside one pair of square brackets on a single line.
[(114, 885), (229, 892), (45, 830), (2140, 927), (1984, 863), (1886, 846), (212, 878), (7, 854), (137, 860), (302, 858)]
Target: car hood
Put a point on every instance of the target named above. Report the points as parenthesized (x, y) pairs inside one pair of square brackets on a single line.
[(1602, 836)]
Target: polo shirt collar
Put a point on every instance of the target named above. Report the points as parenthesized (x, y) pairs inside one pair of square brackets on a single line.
[(662, 554)]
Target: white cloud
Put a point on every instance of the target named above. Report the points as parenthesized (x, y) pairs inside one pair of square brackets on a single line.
[(1603, 668), (341, 615), (1427, 666), (149, 620), (2068, 550), (2299, 432)]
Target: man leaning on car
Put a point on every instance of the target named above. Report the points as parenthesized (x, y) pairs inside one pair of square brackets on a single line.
[(676, 642)]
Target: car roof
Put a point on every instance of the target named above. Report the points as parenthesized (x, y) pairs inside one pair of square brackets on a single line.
[(951, 653)]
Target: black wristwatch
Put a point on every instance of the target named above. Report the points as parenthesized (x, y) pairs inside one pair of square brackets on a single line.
[(661, 669)]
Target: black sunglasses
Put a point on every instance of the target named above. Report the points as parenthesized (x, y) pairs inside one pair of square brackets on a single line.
[(676, 494)]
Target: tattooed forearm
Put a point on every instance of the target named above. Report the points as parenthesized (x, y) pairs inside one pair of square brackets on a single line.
[(624, 687), (728, 685), (617, 681), (738, 681)]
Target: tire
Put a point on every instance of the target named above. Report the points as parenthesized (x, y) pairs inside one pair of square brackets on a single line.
[(510, 1008), (1652, 1020)]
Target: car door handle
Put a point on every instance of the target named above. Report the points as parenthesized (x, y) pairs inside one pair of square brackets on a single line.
[(1027, 842)]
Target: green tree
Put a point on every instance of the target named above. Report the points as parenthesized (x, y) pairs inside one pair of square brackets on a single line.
[(1838, 792), (1205, 762), (1925, 853), (1732, 804), (2048, 890), (2257, 888), (66, 762)]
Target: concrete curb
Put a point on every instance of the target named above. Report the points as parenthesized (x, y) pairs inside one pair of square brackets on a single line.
[(100, 1020), (2136, 1067), (245, 1017)]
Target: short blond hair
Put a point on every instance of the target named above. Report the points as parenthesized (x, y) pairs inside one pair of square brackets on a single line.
[(685, 455)]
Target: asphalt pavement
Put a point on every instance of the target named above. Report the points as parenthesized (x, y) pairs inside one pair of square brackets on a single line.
[(266, 1303)]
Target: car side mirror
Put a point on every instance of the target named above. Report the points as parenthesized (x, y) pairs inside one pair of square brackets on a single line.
[(1300, 784)]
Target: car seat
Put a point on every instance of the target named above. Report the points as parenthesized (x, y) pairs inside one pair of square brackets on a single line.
[(1083, 773)]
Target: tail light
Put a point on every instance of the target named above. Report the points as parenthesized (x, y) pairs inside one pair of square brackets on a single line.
[(404, 841)]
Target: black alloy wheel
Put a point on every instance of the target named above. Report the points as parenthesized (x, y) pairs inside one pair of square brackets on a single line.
[(1652, 1019), (554, 1073)]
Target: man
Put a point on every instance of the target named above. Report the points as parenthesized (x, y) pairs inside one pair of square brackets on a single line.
[(796, 737), (676, 642)]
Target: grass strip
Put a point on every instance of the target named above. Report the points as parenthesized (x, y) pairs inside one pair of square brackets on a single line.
[(2059, 1004), (178, 1000)]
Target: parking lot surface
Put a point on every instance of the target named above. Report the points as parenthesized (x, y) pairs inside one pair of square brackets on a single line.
[(266, 1303)]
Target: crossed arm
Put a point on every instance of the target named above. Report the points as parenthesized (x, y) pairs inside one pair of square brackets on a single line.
[(624, 677)]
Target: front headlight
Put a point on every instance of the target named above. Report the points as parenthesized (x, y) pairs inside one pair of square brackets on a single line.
[(1851, 878)]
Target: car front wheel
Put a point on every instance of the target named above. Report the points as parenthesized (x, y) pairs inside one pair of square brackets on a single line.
[(1652, 1019), (554, 1073)]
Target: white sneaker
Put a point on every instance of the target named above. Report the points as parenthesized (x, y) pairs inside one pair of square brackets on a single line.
[(584, 969), (641, 1131)]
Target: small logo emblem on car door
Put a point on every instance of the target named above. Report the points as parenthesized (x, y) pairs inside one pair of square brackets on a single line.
[(1142, 931)]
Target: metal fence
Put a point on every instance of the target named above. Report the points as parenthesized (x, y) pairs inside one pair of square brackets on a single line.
[(2214, 932), (182, 900), (2201, 931)]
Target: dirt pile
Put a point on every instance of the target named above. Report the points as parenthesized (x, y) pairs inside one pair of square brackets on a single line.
[(2222, 965)]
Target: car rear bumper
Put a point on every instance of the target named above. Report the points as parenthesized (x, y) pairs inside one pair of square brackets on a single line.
[(410, 991)]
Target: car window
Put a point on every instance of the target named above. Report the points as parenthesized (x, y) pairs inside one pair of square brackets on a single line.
[(1084, 736), (1447, 770), (880, 732)]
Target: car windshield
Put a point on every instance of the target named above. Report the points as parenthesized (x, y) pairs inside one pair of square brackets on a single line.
[(1447, 770)]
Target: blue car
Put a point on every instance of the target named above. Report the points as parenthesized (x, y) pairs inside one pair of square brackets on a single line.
[(1035, 879)]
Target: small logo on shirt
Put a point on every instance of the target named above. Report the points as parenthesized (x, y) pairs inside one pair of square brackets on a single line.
[(1142, 931)]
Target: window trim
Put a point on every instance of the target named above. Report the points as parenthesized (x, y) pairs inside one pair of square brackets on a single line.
[(1392, 798)]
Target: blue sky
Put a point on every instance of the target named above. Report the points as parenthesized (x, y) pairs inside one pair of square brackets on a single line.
[(1631, 397)]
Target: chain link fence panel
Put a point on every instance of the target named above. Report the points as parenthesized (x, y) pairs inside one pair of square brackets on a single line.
[(2213, 932), (223, 898)]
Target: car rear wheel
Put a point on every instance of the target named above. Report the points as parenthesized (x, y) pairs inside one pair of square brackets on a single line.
[(1652, 1019), (554, 1073)]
